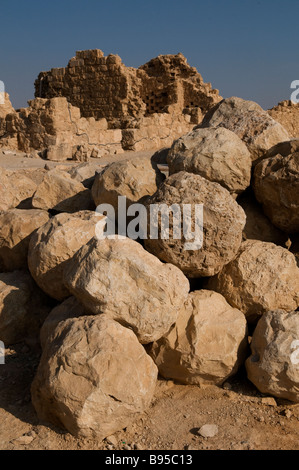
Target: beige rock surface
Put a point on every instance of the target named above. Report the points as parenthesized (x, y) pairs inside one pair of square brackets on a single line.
[(249, 121), (206, 345), (54, 244), (85, 173), (134, 179), (217, 154), (273, 365), (16, 227), (94, 377), (14, 188), (121, 279), (22, 308), (69, 308), (59, 192), (262, 277), (276, 186), (223, 222)]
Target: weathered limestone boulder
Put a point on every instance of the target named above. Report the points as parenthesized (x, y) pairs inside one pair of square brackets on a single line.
[(94, 377), (54, 244), (85, 173), (262, 277), (217, 154), (133, 178), (22, 308), (60, 152), (276, 187), (62, 193), (273, 366), (207, 343), (249, 121), (16, 227), (258, 226), (70, 308), (14, 188), (35, 174), (223, 222), (119, 278)]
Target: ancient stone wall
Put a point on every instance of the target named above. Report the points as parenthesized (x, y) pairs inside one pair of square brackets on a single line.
[(97, 101), (103, 87), (51, 122)]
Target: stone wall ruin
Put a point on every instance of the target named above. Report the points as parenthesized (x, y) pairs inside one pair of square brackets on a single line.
[(98, 102), (103, 87)]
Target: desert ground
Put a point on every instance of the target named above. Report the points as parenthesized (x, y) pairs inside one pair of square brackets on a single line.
[(246, 419)]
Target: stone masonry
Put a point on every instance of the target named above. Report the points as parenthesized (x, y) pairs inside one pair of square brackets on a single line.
[(99, 103), (103, 87)]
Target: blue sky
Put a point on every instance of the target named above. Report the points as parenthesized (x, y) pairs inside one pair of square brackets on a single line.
[(246, 48)]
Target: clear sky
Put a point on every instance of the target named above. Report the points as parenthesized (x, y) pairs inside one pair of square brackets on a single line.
[(246, 48)]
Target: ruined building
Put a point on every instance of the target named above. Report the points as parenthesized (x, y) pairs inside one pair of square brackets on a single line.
[(99, 102), (103, 87)]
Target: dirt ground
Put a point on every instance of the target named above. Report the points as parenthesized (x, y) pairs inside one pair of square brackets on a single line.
[(246, 420), (17, 160)]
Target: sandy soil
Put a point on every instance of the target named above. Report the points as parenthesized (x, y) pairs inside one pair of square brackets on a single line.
[(17, 160), (172, 421), (246, 419)]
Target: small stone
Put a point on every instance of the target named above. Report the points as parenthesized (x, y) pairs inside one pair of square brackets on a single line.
[(288, 414), (126, 447), (112, 440), (208, 430), (261, 419), (269, 401), (24, 440), (138, 447)]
